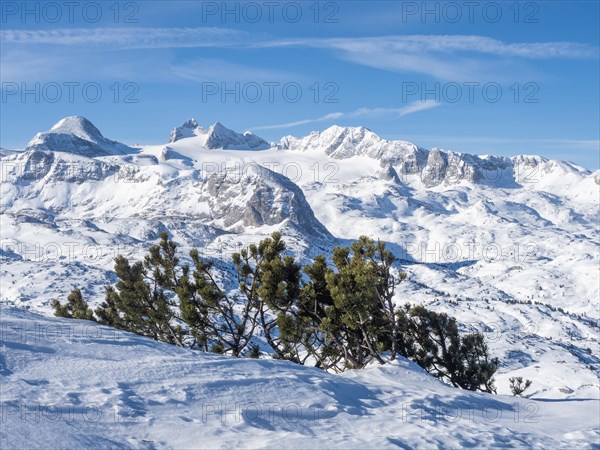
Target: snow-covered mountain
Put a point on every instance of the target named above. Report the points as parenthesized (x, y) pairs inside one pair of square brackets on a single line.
[(433, 167), (218, 136), (507, 245), (76, 135), (189, 128)]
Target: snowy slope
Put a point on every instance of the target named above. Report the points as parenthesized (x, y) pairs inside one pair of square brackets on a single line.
[(75, 384), (507, 245)]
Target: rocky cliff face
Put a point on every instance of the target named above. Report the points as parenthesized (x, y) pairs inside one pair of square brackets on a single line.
[(221, 137), (259, 197), (46, 166)]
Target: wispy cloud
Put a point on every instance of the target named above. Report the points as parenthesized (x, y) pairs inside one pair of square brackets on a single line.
[(444, 57), (361, 112), (79, 65), (25, 65), (449, 58), (224, 37), (444, 44), (127, 37)]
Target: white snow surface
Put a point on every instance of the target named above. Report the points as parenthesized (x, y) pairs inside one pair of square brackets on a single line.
[(76, 384), (509, 246)]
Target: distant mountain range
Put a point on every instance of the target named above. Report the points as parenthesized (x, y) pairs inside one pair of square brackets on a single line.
[(507, 245)]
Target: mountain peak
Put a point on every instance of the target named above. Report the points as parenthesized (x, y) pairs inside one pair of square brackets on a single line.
[(189, 128), (341, 129), (337, 141), (219, 136), (78, 126), (77, 135), (190, 123)]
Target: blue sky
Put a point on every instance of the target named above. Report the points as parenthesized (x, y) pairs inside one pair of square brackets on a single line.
[(491, 77)]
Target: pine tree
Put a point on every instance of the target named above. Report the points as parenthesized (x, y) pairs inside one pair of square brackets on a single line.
[(142, 303), (213, 317), (108, 312), (432, 340), (193, 308), (271, 282), (75, 308), (478, 368), (301, 326), (342, 317), (362, 321), (345, 318)]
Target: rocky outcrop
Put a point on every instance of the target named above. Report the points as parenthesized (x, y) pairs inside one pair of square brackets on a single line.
[(189, 128), (219, 136), (259, 197), (37, 165)]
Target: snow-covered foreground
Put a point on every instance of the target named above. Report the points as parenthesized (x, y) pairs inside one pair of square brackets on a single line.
[(75, 384)]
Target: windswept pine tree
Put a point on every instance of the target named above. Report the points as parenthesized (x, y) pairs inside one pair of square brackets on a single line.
[(341, 317), (75, 308), (436, 345), (271, 281)]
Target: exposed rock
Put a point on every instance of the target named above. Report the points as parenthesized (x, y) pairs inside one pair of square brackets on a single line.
[(36, 165), (218, 136), (259, 197), (433, 167), (389, 174), (189, 128)]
